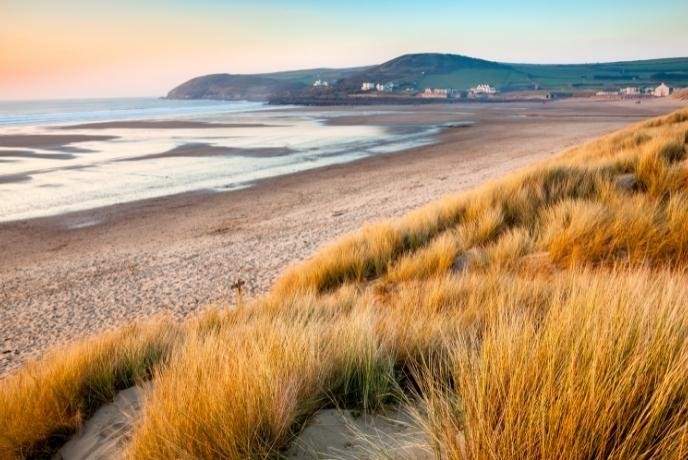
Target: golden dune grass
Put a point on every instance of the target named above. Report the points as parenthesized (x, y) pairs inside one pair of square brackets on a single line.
[(50, 398), (542, 315), (600, 374)]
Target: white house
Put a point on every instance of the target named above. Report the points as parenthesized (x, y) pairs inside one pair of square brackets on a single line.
[(435, 92), (321, 83), (630, 91), (367, 86), (484, 89), (662, 91)]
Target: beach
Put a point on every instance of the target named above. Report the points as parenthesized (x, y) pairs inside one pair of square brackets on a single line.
[(68, 276)]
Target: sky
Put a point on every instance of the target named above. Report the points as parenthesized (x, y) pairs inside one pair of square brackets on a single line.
[(93, 48)]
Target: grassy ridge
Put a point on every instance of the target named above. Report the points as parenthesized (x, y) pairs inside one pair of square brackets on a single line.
[(543, 315)]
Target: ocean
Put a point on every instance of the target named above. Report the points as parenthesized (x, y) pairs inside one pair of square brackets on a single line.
[(71, 155)]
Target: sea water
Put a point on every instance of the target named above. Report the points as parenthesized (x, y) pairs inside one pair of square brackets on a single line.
[(48, 180)]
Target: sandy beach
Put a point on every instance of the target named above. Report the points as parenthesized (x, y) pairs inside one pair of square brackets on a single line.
[(68, 276)]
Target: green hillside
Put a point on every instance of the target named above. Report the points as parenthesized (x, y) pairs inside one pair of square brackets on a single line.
[(671, 71), (308, 76), (258, 87), (502, 78), (461, 72)]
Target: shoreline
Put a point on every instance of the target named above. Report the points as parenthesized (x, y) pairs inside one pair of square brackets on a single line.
[(68, 276)]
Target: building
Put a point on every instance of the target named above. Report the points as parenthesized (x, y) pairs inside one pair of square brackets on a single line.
[(662, 91), (435, 93), (630, 91), (483, 89), (388, 87), (321, 83), (379, 87)]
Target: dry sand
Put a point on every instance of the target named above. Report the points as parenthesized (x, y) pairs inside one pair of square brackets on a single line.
[(330, 433), (105, 434), (65, 277), (351, 435)]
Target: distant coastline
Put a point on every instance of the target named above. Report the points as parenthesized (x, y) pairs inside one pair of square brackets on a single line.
[(402, 100), (430, 78)]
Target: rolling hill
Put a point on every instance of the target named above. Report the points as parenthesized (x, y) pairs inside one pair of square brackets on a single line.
[(257, 87), (418, 71)]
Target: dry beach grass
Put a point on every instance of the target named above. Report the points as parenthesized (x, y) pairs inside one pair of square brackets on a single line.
[(542, 315)]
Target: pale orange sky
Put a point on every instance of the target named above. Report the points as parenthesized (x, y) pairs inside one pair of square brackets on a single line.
[(79, 48)]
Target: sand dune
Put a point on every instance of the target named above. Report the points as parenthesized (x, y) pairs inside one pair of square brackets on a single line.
[(69, 276)]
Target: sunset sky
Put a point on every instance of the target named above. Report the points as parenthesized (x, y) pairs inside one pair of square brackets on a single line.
[(81, 48)]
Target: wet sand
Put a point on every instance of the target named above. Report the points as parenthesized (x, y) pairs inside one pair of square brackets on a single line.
[(13, 178), (207, 150), (32, 154), (159, 124), (65, 277), (60, 142)]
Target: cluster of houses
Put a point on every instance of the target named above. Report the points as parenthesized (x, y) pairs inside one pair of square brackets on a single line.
[(436, 93), (486, 90), (379, 87), (433, 93), (476, 91), (633, 91), (483, 89)]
